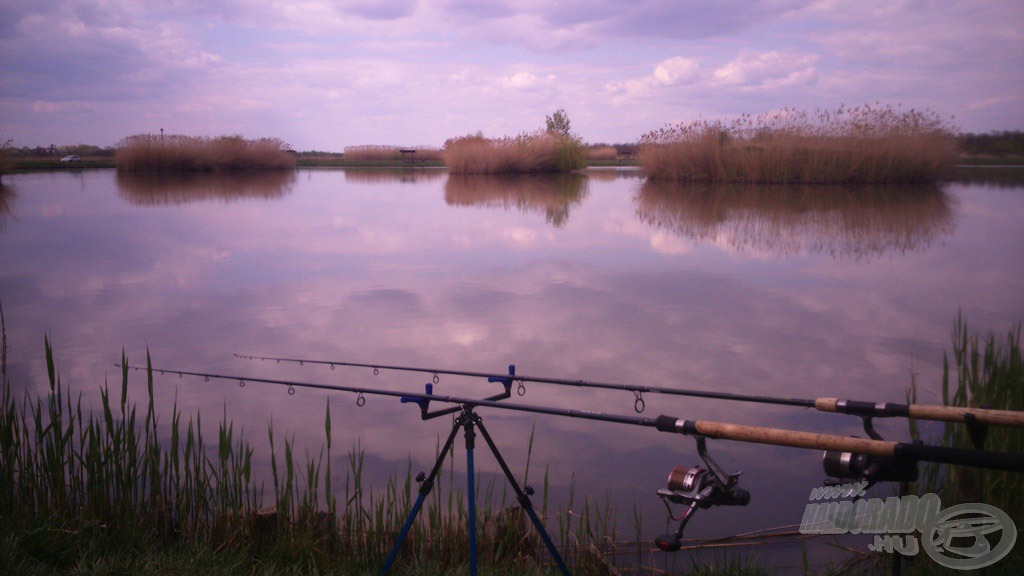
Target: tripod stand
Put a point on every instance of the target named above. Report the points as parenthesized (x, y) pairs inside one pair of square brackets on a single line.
[(469, 422)]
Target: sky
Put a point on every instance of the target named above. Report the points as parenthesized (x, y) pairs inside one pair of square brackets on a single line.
[(327, 74)]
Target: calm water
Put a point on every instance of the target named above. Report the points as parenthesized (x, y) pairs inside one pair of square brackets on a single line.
[(801, 292)]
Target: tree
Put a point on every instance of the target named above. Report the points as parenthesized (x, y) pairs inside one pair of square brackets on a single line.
[(558, 123)]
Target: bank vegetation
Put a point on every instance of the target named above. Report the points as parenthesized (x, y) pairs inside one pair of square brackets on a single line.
[(850, 145), (178, 153), (553, 148)]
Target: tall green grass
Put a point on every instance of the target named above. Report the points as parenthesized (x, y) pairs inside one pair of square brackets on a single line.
[(986, 371), (178, 153), (78, 487), (862, 144)]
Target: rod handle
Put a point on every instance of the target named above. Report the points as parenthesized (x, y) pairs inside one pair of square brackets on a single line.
[(775, 436), (987, 416)]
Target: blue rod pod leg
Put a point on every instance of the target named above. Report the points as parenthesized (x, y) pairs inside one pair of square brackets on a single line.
[(425, 488), (471, 495)]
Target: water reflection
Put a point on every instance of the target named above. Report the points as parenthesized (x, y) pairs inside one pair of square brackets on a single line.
[(6, 203), (1004, 177), (602, 174), (389, 175), (840, 221), (170, 189), (552, 194)]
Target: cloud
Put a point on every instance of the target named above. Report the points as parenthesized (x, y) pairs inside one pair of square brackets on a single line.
[(675, 70), (767, 70), (670, 72), (328, 73), (581, 24)]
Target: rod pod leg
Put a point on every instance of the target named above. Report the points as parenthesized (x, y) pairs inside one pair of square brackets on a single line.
[(524, 499), (469, 419), (425, 488)]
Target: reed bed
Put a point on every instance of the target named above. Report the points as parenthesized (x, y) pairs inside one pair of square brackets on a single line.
[(540, 151), (862, 144), (389, 154), (177, 153), (602, 154)]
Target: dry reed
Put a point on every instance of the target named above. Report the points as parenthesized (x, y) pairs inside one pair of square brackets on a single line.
[(862, 144), (177, 153), (540, 151), (602, 154), (375, 153)]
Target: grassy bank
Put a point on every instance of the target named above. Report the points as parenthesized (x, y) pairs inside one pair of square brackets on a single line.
[(850, 145), (177, 153), (118, 489)]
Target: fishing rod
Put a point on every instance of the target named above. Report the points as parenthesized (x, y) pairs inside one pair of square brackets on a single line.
[(710, 429), (976, 418)]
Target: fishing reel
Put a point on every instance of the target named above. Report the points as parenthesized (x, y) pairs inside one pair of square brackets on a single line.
[(698, 487), (842, 466)]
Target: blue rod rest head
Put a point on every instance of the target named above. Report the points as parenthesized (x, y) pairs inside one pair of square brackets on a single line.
[(506, 381), (424, 403)]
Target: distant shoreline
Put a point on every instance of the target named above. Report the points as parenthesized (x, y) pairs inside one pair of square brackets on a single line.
[(40, 164)]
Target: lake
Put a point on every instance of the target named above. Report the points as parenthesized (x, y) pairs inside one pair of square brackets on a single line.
[(800, 292)]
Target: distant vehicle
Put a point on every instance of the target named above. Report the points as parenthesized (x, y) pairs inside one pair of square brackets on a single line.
[(71, 158)]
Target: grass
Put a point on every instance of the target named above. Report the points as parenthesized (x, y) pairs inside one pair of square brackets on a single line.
[(540, 151), (117, 490), (986, 371), (862, 144), (177, 153)]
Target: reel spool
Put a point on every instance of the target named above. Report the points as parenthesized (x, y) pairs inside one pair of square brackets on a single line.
[(698, 487)]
